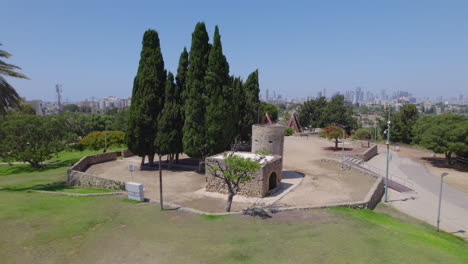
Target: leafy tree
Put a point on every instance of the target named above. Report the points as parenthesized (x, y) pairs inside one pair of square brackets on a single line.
[(333, 132), (289, 131), (403, 122), (195, 99), (234, 171), (362, 134), (170, 123), (271, 109), (311, 112), (446, 133), (218, 118), (252, 105), (8, 95), (71, 108), (25, 109), (147, 98), (30, 138), (336, 112), (101, 139)]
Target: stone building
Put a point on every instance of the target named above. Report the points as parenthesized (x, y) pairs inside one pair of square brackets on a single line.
[(265, 179)]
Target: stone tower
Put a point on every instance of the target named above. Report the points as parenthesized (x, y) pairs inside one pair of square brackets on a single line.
[(269, 137)]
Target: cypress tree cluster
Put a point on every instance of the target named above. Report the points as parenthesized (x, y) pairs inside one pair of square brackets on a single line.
[(195, 95), (202, 113), (170, 122), (147, 98)]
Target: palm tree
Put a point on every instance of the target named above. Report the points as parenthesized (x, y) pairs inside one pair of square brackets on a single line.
[(8, 95)]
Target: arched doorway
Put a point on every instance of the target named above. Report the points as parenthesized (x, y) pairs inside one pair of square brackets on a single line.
[(272, 181)]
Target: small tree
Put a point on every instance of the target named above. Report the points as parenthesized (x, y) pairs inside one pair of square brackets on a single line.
[(446, 133), (30, 138), (333, 132), (234, 171)]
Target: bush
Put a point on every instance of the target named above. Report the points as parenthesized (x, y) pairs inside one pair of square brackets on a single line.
[(97, 139), (289, 131), (362, 134)]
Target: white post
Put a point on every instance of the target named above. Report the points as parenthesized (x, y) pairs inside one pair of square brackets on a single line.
[(440, 197)]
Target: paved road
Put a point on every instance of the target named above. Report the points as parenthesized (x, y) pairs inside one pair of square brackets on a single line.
[(423, 203)]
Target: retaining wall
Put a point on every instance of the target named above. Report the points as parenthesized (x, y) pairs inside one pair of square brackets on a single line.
[(83, 179), (366, 155), (77, 176)]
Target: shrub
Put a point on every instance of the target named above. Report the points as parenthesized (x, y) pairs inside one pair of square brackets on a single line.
[(362, 134), (97, 139), (289, 131)]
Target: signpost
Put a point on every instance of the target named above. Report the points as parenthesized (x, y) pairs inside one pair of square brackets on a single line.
[(440, 197), (131, 168)]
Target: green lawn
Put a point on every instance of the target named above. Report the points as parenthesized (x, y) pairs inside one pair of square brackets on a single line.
[(46, 228)]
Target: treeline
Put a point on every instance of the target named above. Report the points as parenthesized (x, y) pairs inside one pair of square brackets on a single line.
[(29, 138), (320, 113), (444, 134), (200, 111)]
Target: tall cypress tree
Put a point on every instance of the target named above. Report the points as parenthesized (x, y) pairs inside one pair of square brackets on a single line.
[(252, 101), (195, 94), (239, 104), (181, 77), (147, 98), (219, 125), (170, 123)]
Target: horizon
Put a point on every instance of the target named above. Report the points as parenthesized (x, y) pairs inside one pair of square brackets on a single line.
[(299, 48)]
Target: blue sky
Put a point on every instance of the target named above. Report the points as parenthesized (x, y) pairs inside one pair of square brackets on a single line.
[(299, 47)]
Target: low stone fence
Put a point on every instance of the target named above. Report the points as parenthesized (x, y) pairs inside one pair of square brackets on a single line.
[(77, 176), (366, 155), (83, 179), (84, 163), (127, 153)]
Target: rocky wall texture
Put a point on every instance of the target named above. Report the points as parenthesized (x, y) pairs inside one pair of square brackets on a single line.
[(259, 186), (82, 179), (365, 156), (84, 163), (376, 194), (270, 137), (127, 153)]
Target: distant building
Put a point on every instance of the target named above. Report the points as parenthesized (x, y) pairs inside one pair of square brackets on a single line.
[(37, 105)]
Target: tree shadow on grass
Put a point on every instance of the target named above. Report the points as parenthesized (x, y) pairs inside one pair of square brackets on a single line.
[(55, 186), (442, 163), (26, 168)]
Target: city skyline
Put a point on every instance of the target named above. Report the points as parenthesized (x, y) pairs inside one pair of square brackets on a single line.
[(299, 48)]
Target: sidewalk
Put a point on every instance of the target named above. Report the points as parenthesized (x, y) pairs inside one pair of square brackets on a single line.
[(423, 204)]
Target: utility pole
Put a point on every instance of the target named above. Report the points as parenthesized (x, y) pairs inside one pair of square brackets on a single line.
[(58, 90), (388, 155), (342, 152), (440, 197)]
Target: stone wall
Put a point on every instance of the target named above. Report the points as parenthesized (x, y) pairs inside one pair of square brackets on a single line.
[(127, 153), (257, 187), (84, 163), (269, 137), (376, 194), (82, 179), (366, 155), (76, 175)]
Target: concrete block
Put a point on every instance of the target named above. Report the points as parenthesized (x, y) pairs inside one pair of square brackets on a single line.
[(135, 191)]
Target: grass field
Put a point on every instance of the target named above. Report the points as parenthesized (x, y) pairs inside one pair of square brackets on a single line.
[(46, 228)]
